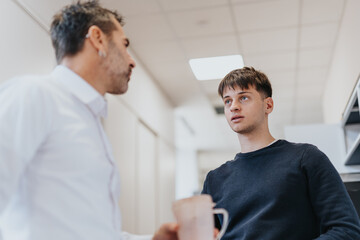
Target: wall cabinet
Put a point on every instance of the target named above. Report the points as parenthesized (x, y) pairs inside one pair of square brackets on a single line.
[(351, 127)]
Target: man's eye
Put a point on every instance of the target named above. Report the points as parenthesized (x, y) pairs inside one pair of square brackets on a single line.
[(244, 98), (227, 101)]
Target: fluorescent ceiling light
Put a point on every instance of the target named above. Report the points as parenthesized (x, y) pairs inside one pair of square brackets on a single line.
[(215, 67)]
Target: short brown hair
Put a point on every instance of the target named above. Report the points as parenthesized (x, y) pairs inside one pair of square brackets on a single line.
[(244, 78), (71, 24)]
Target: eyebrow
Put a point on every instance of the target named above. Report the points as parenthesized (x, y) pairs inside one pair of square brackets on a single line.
[(239, 93)]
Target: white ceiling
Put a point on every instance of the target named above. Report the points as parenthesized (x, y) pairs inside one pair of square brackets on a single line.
[(292, 41)]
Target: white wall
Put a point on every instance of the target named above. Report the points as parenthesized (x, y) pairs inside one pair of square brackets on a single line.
[(186, 160), (124, 150), (25, 47), (148, 102), (345, 66), (186, 173), (146, 196), (166, 181)]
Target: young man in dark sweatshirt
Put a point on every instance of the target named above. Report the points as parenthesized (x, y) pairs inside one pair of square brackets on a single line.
[(275, 189)]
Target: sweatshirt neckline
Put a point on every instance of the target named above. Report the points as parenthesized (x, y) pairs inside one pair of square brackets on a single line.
[(241, 155)]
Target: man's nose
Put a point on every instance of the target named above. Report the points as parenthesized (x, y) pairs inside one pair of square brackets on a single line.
[(235, 106), (132, 62)]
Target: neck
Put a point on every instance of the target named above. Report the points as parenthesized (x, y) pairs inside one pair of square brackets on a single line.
[(87, 68), (255, 140)]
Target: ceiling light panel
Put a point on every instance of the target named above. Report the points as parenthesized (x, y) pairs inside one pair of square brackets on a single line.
[(215, 67)]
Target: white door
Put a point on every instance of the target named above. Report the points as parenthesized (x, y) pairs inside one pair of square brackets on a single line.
[(146, 180), (121, 127)]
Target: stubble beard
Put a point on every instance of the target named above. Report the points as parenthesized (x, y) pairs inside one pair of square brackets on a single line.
[(244, 130), (119, 78), (119, 83)]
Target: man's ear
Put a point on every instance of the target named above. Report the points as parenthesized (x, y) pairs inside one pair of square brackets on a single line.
[(97, 39), (269, 105)]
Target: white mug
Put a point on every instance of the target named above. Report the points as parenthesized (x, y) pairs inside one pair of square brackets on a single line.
[(195, 216)]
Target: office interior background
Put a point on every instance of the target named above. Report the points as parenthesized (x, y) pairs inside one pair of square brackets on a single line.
[(165, 131)]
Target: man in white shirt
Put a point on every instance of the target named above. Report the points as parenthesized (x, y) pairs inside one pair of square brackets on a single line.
[(58, 179)]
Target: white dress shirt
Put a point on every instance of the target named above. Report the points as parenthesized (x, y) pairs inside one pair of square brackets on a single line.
[(58, 178)]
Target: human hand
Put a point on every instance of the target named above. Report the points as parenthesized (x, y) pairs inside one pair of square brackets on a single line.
[(216, 232), (167, 231)]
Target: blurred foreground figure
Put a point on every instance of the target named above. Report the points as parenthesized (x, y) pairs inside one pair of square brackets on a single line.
[(58, 179)]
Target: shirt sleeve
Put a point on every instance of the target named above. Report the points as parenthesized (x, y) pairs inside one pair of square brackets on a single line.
[(332, 205), (23, 126), (205, 191)]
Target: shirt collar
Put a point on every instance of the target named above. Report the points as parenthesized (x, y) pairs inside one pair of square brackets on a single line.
[(81, 90)]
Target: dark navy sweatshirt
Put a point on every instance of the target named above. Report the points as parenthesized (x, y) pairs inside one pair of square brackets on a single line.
[(285, 191)]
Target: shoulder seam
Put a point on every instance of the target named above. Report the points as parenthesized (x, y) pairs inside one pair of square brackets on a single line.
[(302, 155)]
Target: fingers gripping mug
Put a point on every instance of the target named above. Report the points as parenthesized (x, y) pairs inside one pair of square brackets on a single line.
[(195, 216)]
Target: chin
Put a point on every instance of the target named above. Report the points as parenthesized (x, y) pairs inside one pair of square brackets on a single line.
[(237, 129), (245, 131), (117, 91), (240, 131)]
